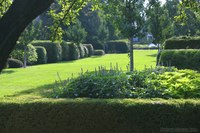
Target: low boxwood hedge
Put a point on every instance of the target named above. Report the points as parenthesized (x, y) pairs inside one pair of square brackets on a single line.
[(14, 63), (181, 59), (183, 43), (99, 52), (100, 116)]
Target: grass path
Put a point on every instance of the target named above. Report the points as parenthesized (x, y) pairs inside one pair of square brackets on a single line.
[(36, 81)]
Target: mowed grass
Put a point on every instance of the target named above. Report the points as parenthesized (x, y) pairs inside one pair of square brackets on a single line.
[(38, 81)]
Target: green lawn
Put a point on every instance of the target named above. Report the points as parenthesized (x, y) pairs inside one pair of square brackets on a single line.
[(36, 81)]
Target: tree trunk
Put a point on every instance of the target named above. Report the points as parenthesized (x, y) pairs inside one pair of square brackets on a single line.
[(131, 55), (13, 23)]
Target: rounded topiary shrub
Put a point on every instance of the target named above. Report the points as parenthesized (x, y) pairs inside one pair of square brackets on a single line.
[(42, 55), (90, 49), (54, 50), (65, 50), (82, 51), (99, 52), (14, 63), (74, 53), (86, 51)]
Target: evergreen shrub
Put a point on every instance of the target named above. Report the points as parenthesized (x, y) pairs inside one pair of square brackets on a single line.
[(65, 50), (118, 46), (54, 50), (183, 43), (181, 59), (86, 51), (74, 53), (100, 116), (14, 63), (90, 49), (99, 52), (42, 55), (82, 51)]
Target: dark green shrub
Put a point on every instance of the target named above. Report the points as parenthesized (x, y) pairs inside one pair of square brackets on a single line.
[(42, 55), (54, 50), (181, 59), (82, 51), (65, 50), (117, 47), (86, 51), (14, 63), (99, 52), (183, 43), (100, 116), (74, 53), (90, 49)]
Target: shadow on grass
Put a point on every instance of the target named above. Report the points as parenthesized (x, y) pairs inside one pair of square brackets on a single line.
[(153, 55), (44, 91), (7, 71)]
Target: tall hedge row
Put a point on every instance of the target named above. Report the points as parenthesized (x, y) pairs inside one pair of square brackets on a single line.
[(42, 55), (182, 59), (183, 43), (54, 50), (74, 52), (101, 116), (65, 50), (117, 47), (90, 49)]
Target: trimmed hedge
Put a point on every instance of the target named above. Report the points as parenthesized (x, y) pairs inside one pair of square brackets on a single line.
[(181, 59), (90, 49), (14, 63), (81, 50), (42, 55), (54, 50), (86, 51), (99, 52), (117, 47), (100, 116), (183, 43), (65, 50), (74, 53)]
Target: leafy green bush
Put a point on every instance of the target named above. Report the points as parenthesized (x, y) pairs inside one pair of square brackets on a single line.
[(42, 55), (74, 53), (54, 50), (14, 63), (90, 49), (183, 43), (99, 116), (182, 59), (65, 50), (151, 83), (31, 54), (99, 52), (117, 46)]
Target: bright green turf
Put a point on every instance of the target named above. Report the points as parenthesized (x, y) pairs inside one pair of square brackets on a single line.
[(37, 81)]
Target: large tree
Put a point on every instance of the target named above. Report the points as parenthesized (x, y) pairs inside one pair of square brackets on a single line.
[(15, 20), (128, 17), (22, 12)]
